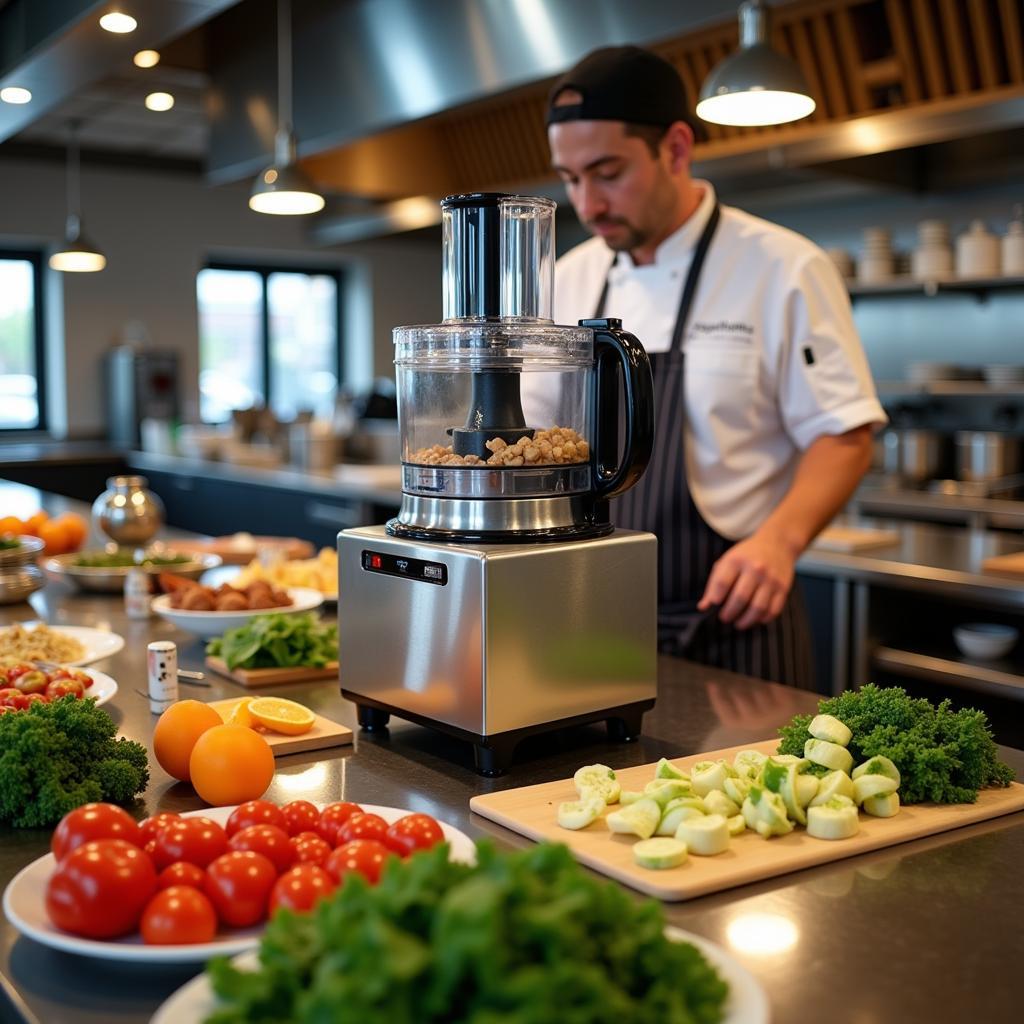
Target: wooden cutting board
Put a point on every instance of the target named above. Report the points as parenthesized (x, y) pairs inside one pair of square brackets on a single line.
[(232, 554), (1006, 565), (324, 733), (531, 812), (253, 677), (854, 538)]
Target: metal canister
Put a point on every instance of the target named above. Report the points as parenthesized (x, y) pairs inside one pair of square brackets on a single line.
[(162, 669)]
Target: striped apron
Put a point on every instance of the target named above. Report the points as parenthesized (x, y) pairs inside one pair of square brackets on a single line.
[(688, 547)]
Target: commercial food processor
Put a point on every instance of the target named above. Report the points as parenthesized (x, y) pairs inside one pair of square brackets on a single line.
[(501, 601)]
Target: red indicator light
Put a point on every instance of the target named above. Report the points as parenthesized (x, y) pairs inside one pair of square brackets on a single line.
[(375, 562)]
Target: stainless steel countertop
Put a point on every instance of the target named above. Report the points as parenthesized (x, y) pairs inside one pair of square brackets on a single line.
[(875, 499), (925, 931)]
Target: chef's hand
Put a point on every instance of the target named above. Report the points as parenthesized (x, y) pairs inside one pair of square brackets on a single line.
[(751, 581)]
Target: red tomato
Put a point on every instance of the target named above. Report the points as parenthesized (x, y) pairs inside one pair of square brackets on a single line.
[(13, 671), (178, 916), (365, 857), (5, 710), (238, 884), (300, 816), (93, 821), (271, 841), (363, 826), (310, 848), (196, 840), (100, 889), (301, 887), (12, 697), (36, 698), (413, 832), (151, 826), (150, 850), (255, 812), (332, 817), (82, 677), (63, 687), (181, 873), (32, 682)]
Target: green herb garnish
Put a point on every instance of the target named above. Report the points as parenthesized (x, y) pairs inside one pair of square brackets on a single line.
[(278, 641), (126, 559), (9, 543)]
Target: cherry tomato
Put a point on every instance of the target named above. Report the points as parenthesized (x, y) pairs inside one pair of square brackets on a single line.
[(36, 698), (181, 873), (32, 682), (151, 826), (178, 916), (196, 840), (149, 849), (332, 817), (93, 821), (269, 840), (82, 677), (64, 687), (19, 669), (255, 812), (299, 888), (363, 826), (411, 833), (365, 857), (13, 698), (239, 884), (100, 889), (310, 848), (59, 673), (5, 710), (300, 816)]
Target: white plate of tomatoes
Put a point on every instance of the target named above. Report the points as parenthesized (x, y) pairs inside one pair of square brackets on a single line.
[(234, 888), (26, 682)]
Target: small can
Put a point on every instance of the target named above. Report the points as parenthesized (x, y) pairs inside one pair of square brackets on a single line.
[(136, 594), (162, 668)]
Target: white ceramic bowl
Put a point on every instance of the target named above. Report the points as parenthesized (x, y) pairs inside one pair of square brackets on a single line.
[(210, 624), (985, 640)]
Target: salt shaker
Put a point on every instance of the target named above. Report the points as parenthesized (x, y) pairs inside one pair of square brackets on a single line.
[(162, 668), (136, 594)]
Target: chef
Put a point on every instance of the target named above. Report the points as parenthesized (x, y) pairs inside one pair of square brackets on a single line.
[(764, 402)]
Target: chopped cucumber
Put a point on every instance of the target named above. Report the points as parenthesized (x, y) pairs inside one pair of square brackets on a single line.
[(736, 789), (718, 803), (882, 806), (658, 854), (630, 796), (748, 763), (806, 789), (687, 801), (831, 755), (800, 762), (836, 819), (671, 819), (765, 813), (664, 790), (867, 786), (827, 727), (834, 783), (794, 809), (578, 814), (878, 765), (597, 778), (667, 770), (639, 819), (705, 836), (708, 775), (773, 774), (737, 826)]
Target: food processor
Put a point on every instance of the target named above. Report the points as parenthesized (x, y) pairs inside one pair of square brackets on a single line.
[(501, 601)]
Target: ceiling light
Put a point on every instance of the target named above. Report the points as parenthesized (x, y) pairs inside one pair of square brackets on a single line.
[(79, 254), (283, 188), (146, 59), (15, 94), (159, 101), (118, 22), (756, 85)]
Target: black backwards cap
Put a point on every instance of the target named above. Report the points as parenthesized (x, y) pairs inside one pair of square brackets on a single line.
[(621, 83)]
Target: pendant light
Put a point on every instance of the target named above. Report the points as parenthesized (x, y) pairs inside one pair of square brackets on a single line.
[(78, 255), (756, 85), (283, 188)]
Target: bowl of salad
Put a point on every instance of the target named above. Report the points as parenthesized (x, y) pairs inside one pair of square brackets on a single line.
[(104, 569)]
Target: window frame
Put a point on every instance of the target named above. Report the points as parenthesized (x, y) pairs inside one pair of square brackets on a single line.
[(35, 258), (264, 273)]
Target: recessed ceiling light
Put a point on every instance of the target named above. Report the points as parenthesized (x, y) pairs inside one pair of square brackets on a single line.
[(15, 94), (159, 101), (116, 21), (146, 59)]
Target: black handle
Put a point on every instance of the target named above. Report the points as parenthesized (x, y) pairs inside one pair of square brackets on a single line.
[(616, 349)]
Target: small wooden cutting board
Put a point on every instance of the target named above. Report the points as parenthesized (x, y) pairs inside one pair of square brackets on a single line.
[(324, 733), (1006, 565), (854, 538), (254, 677)]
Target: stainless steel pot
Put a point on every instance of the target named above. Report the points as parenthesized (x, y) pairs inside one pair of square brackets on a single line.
[(128, 513), (983, 455), (915, 454)]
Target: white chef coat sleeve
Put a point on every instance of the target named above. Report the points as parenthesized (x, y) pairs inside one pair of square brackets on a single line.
[(824, 384)]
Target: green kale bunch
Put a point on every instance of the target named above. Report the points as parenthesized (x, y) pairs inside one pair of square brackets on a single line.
[(55, 757), (944, 756)]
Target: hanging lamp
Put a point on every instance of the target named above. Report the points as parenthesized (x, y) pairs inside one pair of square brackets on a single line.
[(79, 254), (756, 85), (283, 188)]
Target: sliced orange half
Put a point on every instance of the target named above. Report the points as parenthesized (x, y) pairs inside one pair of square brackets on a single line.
[(240, 714), (280, 715)]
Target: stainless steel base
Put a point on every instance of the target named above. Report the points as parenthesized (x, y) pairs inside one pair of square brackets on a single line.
[(492, 515)]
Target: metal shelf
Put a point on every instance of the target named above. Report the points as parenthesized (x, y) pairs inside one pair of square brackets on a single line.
[(1003, 677), (962, 388), (906, 285)]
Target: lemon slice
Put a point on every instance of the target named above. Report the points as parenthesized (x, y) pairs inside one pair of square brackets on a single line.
[(280, 715), (239, 714)]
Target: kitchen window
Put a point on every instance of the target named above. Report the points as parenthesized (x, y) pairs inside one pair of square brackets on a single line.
[(22, 366), (268, 337)]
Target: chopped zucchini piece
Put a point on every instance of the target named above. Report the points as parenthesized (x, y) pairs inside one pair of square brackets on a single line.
[(765, 813), (717, 802), (827, 727), (737, 825), (639, 819), (664, 790), (671, 819), (836, 819), (708, 775), (748, 763), (878, 765), (794, 809), (597, 778), (882, 806), (736, 789), (773, 774), (834, 783), (577, 814), (658, 854), (867, 786), (630, 796), (831, 755), (806, 789), (705, 836), (667, 770)]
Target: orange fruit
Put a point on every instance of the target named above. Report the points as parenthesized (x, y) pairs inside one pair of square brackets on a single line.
[(34, 521), (176, 733), (230, 765), (280, 715), (240, 713), (11, 524), (75, 530), (53, 535)]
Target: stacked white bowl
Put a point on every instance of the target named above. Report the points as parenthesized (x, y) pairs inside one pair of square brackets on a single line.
[(843, 261), (933, 258), (1013, 246), (877, 262), (977, 252)]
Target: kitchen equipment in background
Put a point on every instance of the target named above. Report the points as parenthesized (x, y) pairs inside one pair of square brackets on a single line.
[(915, 455), (19, 574), (984, 455), (1003, 376), (985, 640), (933, 257), (314, 446), (934, 373), (843, 261), (140, 384), (126, 512), (500, 601), (1013, 245), (977, 252), (877, 262)]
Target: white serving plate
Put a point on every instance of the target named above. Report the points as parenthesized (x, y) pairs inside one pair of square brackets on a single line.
[(211, 624), (746, 1004), (98, 643), (103, 686), (24, 906)]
